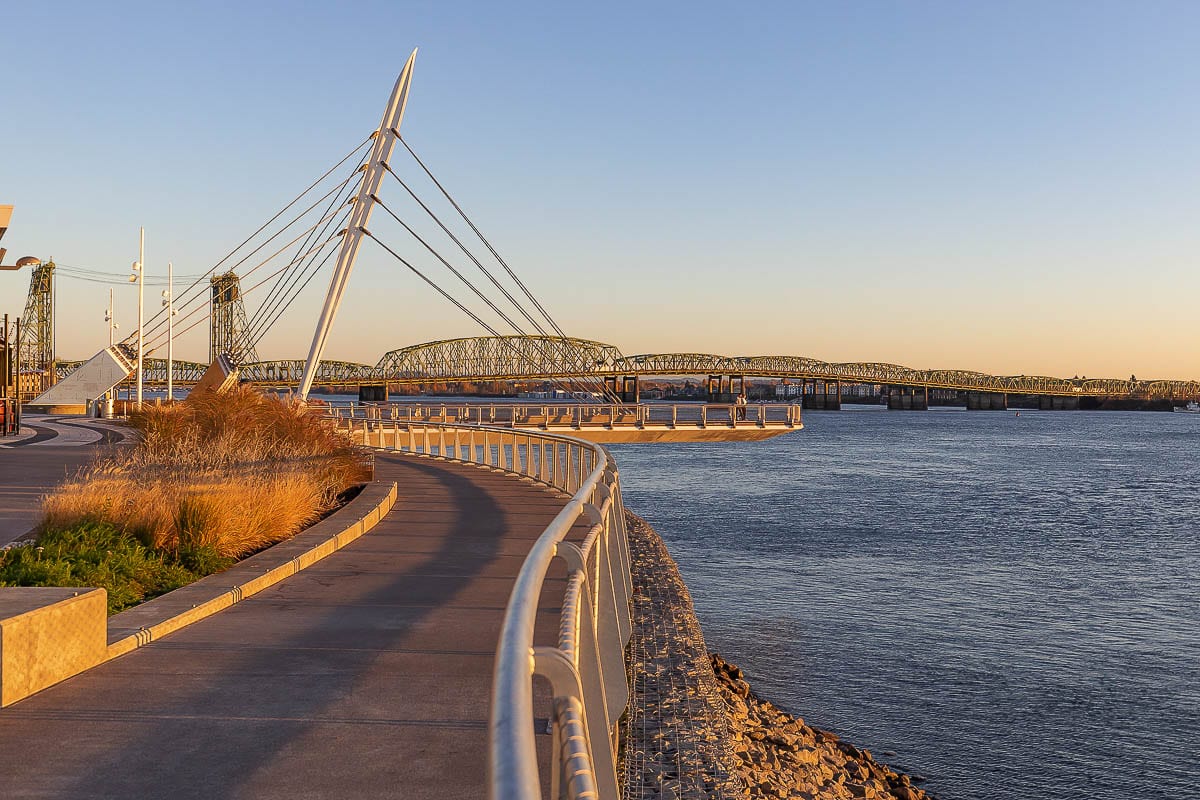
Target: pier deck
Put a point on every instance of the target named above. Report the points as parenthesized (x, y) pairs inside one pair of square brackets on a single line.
[(366, 675)]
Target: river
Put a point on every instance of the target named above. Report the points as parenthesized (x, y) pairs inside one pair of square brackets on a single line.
[(1008, 604)]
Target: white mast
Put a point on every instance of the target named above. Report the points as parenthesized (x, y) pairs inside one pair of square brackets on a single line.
[(169, 303), (381, 151), (138, 276)]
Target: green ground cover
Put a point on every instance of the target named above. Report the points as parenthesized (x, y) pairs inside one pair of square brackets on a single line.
[(97, 554)]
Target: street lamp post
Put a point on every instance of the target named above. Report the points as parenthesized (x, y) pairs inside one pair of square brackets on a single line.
[(110, 318), (18, 405), (168, 304), (138, 277)]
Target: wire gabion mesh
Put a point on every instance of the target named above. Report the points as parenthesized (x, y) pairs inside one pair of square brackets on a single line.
[(677, 735)]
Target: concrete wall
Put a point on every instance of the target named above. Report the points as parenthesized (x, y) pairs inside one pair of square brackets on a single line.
[(48, 635), (102, 372)]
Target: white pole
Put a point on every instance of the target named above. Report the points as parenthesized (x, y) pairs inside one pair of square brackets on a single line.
[(110, 395), (360, 216), (170, 330), (141, 274)]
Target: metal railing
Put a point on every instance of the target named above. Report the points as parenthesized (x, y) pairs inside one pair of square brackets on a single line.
[(577, 416), (586, 669)]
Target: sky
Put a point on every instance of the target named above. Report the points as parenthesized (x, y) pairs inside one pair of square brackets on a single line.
[(1002, 187)]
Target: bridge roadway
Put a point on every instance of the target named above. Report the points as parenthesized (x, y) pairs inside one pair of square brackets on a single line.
[(525, 358), (366, 675)]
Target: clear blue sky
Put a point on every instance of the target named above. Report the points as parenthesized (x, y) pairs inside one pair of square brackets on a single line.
[(1009, 187)]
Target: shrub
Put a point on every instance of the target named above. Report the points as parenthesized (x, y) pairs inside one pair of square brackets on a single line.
[(233, 472), (95, 554)]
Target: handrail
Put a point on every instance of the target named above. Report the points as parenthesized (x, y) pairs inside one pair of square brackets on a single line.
[(566, 417), (586, 670)]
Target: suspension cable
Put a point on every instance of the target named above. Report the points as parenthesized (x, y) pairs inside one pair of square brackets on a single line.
[(288, 280), (157, 330), (312, 273), (467, 252), (478, 233), (579, 362), (311, 186), (454, 301), (200, 296), (158, 340), (541, 344), (158, 319)]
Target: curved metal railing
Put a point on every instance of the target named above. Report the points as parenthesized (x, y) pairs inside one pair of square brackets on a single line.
[(563, 417), (586, 667)]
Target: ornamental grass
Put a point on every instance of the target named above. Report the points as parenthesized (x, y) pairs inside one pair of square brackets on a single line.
[(208, 480), (234, 471)]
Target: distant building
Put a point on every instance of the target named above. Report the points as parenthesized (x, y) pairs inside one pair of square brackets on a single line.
[(788, 390)]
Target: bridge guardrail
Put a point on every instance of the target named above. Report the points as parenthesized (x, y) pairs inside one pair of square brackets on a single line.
[(576, 416), (586, 669)]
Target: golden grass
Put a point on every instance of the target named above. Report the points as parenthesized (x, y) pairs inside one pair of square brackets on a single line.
[(230, 473)]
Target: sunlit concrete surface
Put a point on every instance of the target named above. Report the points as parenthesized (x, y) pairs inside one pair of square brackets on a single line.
[(366, 675), (47, 451)]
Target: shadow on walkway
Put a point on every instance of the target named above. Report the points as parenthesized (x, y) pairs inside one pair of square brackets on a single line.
[(366, 675)]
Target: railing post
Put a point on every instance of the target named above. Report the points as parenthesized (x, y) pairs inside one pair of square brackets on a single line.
[(554, 464)]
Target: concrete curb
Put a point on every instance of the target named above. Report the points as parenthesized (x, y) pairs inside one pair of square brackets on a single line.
[(156, 618)]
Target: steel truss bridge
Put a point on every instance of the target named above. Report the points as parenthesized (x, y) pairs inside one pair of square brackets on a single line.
[(523, 358)]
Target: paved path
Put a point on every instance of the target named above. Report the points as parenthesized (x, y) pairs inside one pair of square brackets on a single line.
[(47, 450), (365, 676)]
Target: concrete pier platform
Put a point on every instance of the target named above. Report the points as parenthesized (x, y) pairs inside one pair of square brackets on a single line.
[(366, 675)]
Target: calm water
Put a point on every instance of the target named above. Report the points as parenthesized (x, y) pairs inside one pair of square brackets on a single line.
[(1009, 604)]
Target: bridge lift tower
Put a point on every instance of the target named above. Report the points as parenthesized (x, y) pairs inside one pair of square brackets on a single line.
[(227, 322), (37, 325)]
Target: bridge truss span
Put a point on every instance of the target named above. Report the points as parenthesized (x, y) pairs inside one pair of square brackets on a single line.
[(521, 358), (495, 358), (290, 372)]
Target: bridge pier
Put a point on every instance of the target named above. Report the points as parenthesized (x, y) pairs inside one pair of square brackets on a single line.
[(1058, 403), (625, 387), (908, 398), (372, 393), (987, 401), (726, 388), (827, 398)]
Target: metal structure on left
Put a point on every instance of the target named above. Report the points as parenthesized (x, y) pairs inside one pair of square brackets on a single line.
[(227, 321), (37, 330)]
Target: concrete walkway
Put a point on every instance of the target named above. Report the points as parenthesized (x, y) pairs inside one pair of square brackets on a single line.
[(365, 676), (48, 450)]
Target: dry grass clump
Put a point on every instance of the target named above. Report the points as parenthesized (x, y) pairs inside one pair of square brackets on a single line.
[(228, 473)]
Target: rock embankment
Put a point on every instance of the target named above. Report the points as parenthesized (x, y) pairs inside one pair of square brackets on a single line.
[(695, 730), (780, 756), (677, 728)]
